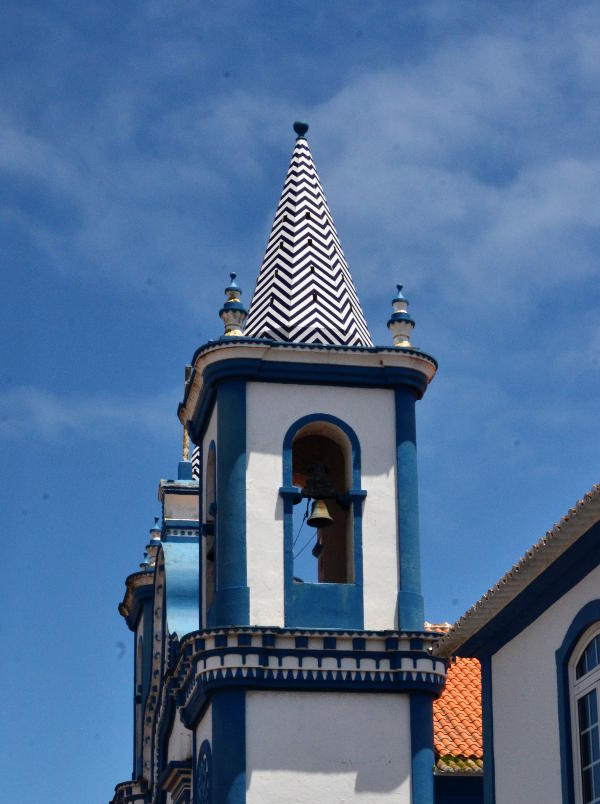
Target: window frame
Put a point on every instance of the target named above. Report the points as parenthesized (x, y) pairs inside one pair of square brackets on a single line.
[(579, 688), (583, 621)]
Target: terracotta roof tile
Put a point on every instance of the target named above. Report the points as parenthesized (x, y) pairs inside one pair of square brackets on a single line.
[(457, 729)]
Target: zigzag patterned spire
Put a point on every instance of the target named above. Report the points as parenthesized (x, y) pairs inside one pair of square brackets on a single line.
[(304, 291)]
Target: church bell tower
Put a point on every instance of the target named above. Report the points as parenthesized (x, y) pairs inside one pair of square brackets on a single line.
[(309, 548)]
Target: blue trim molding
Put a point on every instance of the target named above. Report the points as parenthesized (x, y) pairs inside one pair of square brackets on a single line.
[(229, 746), (410, 599), (421, 747), (232, 597), (322, 605), (243, 370), (586, 617), (458, 788), (487, 712)]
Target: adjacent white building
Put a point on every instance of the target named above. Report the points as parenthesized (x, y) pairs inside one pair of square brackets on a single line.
[(537, 635)]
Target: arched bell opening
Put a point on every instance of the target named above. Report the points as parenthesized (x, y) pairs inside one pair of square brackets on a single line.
[(322, 469), (333, 597)]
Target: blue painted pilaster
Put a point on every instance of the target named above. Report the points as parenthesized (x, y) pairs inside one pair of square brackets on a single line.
[(229, 746), (410, 599), (185, 470), (146, 670), (489, 781), (147, 647), (421, 746), (201, 536), (232, 598)]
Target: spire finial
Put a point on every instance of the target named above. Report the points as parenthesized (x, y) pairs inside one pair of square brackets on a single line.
[(155, 531), (185, 452), (233, 311), (400, 323), (300, 128)]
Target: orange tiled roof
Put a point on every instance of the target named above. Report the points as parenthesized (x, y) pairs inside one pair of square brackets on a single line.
[(457, 730)]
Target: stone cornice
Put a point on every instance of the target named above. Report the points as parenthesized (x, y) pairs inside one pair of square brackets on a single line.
[(138, 585), (264, 360), (269, 658)]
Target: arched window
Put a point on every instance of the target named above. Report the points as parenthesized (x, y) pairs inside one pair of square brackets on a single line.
[(584, 684), (209, 528)]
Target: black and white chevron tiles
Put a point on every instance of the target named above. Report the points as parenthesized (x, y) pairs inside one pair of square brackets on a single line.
[(196, 463), (304, 291)]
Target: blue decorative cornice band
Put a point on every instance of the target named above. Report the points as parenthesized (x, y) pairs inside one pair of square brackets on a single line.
[(254, 368), (355, 661)]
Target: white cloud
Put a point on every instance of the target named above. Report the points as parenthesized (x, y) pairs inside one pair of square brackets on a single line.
[(464, 169), (29, 412), (470, 171)]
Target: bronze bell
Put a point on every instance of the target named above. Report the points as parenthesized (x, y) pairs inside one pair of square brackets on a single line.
[(319, 515)]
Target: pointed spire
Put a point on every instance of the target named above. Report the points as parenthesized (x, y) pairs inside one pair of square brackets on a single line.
[(400, 323), (304, 292)]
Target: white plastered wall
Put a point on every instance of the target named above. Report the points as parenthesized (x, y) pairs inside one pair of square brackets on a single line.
[(209, 435), (271, 409), (204, 730), (180, 741), (525, 703), (330, 747), (180, 506)]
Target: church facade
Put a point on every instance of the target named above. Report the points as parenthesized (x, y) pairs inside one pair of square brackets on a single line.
[(281, 653)]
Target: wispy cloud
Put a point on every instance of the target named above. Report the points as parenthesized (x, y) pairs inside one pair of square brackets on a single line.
[(477, 157), (472, 170), (29, 412), (469, 167)]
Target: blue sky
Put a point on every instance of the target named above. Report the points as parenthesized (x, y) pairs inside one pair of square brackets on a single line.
[(142, 151)]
